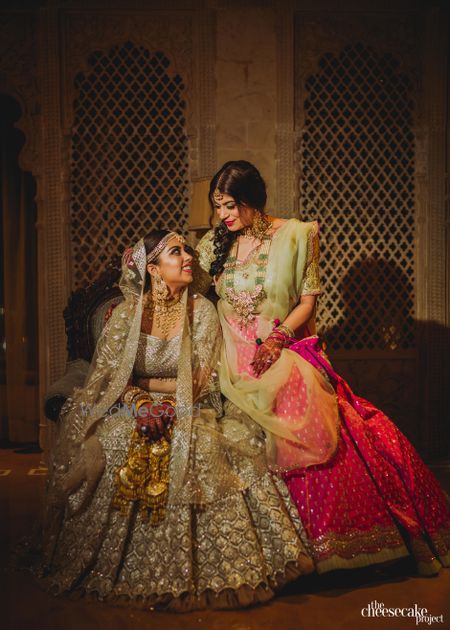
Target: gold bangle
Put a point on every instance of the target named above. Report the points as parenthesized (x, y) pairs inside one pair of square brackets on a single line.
[(283, 328), (142, 401), (129, 394)]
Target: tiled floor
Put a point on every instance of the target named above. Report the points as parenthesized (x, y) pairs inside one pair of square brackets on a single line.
[(332, 601)]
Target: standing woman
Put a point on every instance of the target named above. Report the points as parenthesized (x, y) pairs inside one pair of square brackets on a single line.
[(362, 491)]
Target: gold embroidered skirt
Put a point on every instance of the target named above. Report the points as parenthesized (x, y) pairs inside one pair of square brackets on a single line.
[(240, 542)]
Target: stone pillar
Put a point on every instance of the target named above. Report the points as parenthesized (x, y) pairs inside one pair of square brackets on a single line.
[(285, 174), (53, 256), (246, 90)]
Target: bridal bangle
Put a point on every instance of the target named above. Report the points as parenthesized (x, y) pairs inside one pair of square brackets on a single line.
[(280, 331), (131, 394), (284, 330)]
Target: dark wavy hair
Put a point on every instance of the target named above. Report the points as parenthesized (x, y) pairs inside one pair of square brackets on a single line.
[(151, 240), (242, 181)]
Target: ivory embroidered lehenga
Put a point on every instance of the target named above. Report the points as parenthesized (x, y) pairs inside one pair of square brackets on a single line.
[(228, 534), (362, 491)]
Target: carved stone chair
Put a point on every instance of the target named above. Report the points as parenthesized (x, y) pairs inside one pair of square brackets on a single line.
[(84, 317)]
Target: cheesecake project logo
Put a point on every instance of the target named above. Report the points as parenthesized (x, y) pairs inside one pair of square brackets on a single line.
[(420, 614)]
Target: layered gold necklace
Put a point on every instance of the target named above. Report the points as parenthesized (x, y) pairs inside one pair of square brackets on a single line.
[(162, 309)]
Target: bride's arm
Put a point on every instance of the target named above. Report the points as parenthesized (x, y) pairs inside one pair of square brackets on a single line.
[(161, 385)]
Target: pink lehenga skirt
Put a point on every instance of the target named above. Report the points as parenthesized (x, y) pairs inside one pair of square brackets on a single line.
[(375, 500)]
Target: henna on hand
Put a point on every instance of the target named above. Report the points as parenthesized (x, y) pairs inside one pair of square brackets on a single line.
[(267, 354), (155, 420)]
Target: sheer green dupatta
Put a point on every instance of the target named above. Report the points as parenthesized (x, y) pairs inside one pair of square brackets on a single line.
[(297, 435)]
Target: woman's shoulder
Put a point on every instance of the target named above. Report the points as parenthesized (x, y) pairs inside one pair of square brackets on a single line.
[(295, 226), (205, 250), (206, 240), (277, 222)]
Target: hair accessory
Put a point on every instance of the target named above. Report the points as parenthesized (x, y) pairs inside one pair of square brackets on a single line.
[(218, 196), (161, 245)]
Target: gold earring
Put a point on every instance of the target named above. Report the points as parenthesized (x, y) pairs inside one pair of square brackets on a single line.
[(160, 290), (259, 226)]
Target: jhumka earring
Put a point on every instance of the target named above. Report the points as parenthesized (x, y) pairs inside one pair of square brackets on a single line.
[(259, 226), (160, 291), (165, 309)]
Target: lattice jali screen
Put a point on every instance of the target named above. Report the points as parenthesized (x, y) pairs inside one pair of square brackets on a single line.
[(356, 177), (129, 171)]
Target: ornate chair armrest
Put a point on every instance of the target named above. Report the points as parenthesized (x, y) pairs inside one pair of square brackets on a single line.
[(59, 391), (53, 406)]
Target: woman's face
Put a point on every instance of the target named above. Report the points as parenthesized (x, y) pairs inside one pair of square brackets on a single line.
[(174, 265), (235, 217)]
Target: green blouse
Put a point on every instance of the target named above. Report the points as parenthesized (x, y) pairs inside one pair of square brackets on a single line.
[(292, 268)]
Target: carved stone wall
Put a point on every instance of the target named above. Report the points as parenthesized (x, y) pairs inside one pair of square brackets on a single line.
[(19, 78), (433, 292), (246, 90), (413, 375), (129, 157), (285, 124), (185, 40), (356, 177), (41, 56)]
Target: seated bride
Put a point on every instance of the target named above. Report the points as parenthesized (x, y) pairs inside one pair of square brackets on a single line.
[(158, 494)]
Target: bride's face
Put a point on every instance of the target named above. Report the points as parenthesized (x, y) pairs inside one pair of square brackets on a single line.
[(233, 216), (174, 265)]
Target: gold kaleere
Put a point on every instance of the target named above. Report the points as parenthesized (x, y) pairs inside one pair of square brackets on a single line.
[(157, 486), (144, 478)]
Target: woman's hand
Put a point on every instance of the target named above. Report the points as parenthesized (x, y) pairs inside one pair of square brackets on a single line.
[(269, 351), (155, 420), (266, 354)]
